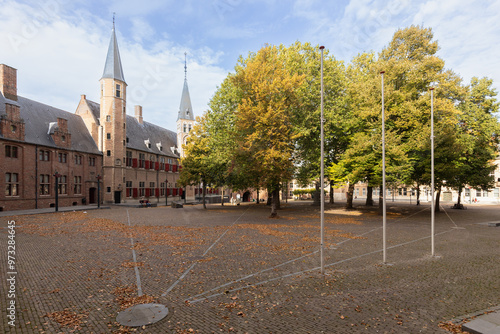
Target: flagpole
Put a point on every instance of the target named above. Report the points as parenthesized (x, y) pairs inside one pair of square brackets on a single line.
[(384, 208), (432, 174), (322, 177)]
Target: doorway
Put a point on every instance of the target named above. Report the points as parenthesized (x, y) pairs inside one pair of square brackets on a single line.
[(118, 197), (92, 195)]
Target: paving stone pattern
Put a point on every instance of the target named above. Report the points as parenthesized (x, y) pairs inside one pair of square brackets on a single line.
[(232, 269)]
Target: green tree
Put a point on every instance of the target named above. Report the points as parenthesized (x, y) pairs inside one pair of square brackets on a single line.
[(264, 131), (477, 138)]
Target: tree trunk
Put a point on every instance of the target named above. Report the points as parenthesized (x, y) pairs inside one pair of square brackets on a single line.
[(438, 195), (317, 195), (258, 199), (275, 203), (349, 196), (369, 196), (277, 195), (222, 197), (332, 199), (459, 195), (204, 192), (418, 194), (381, 199)]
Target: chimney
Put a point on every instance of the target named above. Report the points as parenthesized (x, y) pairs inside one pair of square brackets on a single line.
[(84, 97), (138, 114), (8, 82)]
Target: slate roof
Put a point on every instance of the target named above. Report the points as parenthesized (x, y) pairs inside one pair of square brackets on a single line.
[(138, 134), (37, 121), (113, 67), (185, 109), (95, 108)]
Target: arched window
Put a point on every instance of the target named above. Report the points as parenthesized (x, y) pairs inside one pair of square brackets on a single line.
[(185, 127)]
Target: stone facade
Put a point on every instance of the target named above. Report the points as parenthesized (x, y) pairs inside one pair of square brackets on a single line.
[(134, 159), (32, 152)]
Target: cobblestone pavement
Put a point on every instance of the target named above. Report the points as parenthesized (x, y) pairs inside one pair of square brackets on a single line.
[(232, 269)]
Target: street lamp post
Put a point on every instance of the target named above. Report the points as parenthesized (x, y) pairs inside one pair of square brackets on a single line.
[(384, 208), (57, 176), (432, 173), (166, 192), (99, 177), (322, 177)]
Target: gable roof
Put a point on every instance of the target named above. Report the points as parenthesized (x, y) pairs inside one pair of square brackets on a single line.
[(37, 121), (138, 135), (95, 109)]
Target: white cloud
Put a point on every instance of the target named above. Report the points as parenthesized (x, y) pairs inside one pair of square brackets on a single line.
[(467, 34), (141, 30), (64, 57)]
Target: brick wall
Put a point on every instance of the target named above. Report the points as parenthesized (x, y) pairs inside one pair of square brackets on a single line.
[(28, 166)]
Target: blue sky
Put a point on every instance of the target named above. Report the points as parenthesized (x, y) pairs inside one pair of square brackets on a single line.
[(59, 46)]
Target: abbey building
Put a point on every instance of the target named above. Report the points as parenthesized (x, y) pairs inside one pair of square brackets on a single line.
[(99, 148)]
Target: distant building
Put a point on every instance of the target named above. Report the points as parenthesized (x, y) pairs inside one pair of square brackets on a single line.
[(133, 159)]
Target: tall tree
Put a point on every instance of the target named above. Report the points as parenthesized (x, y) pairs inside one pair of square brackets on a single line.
[(264, 130), (478, 138)]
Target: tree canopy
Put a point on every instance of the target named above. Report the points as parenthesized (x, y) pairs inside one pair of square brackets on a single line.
[(263, 124)]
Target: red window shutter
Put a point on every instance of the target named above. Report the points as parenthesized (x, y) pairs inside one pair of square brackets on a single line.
[(196, 191), (180, 191), (157, 192), (147, 164), (147, 192), (134, 191), (157, 165), (167, 167), (175, 169), (128, 192), (168, 191), (175, 191), (134, 164)]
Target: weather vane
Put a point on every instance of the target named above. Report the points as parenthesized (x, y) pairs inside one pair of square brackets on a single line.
[(185, 65)]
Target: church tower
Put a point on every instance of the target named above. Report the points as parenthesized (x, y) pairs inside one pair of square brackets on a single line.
[(185, 118), (112, 136)]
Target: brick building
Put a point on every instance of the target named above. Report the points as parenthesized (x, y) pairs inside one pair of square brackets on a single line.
[(38, 141), (134, 159)]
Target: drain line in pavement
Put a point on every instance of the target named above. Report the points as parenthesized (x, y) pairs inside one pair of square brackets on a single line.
[(308, 270), (274, 267), (142, 314), (205, 253), (136, 269)]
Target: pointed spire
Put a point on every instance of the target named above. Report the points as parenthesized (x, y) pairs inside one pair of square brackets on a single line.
[(113, 67), (185, 109), (185, 66)]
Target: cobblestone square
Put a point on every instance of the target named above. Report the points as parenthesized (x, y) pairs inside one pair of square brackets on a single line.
[(232, 269)]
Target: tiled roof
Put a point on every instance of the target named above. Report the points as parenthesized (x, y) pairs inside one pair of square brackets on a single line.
[(37, 119), (140, 134)]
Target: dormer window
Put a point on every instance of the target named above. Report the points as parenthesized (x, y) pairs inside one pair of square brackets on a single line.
[(108, 118), (63, 138), (118, 90), (187, 112), (13, 128)]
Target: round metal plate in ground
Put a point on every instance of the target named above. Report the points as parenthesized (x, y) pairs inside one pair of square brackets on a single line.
[(141, 315)]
